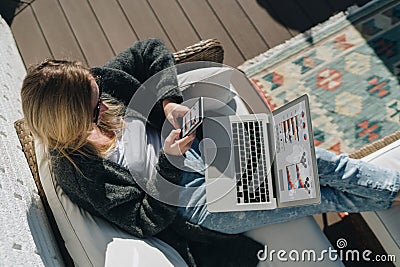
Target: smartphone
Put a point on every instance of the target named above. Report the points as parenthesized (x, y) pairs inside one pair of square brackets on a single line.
[(193, 118)]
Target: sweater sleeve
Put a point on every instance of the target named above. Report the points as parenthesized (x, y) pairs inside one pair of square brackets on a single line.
[(107, 190), (153, 65)]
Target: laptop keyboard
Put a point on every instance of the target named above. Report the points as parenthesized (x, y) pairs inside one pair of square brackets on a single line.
[(250, 162)]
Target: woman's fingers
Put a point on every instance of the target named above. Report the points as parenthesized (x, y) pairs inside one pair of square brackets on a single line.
[(175, 123), (173, 135), (178, 112), (186, 142), (181, 110), (173, 146), (173, 111)]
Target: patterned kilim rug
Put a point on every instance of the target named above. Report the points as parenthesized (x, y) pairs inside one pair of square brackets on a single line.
[(349, 66)]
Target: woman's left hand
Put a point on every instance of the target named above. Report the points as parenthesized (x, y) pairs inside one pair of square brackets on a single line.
[(173, 111)]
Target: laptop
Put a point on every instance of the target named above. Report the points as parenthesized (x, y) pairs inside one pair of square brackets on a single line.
[(261, 161)]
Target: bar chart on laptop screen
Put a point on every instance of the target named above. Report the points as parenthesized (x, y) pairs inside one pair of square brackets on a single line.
[(293, 154)]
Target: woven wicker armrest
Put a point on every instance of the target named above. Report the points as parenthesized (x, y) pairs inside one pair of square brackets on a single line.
[(28, 147), (206, 50), (375, 146)]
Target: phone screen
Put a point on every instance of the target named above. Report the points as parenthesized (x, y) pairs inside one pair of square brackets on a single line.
[(192, 119)]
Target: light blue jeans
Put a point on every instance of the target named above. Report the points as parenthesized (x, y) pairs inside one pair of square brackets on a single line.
[(346, 185)]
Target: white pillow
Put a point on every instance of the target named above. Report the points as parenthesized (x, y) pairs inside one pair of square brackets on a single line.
[(92, 241), (212, 82)]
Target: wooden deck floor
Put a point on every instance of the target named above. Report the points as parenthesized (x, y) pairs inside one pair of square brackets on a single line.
[(94, 30)]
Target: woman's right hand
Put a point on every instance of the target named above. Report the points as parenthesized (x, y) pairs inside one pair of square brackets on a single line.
[(175, 146)]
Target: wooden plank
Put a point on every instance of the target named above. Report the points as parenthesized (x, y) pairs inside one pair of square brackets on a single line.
[(176, 25), (273, 32), (88, 31), (288, 13), (144, 21), (208, 26), (319, 11), (115, 24), (29, 38), (56, 30), (239, 27)]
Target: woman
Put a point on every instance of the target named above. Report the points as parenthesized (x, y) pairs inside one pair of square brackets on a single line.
[(77, 113)]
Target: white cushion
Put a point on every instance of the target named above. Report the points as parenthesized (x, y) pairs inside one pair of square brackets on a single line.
[(387, 157), (385, 224), (213, 82), (92, 241)]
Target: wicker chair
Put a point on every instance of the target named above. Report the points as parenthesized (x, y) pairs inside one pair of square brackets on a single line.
[(206, 50)]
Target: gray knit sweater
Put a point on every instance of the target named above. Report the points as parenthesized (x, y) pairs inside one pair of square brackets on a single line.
[(110, 191)]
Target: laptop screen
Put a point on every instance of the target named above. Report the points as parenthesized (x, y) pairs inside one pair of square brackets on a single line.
[(296, 172)]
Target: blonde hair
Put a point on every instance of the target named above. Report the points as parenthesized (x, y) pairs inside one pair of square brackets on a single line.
[(56, 102)]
